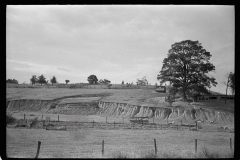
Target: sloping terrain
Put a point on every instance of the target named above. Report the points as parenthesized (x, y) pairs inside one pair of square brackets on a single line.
[(180, 112), (117, 103), (68, 101)]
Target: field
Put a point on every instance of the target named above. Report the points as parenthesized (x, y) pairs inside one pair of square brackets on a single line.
[(87, 142), (52, 93)]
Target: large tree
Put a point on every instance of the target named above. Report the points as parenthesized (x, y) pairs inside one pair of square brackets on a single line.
[(92, 79), (34, 79), (53, 80), (42, 79), (187, 67)]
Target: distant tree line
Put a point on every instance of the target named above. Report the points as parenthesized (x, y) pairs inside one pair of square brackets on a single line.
[(13, 81), (42, 80)]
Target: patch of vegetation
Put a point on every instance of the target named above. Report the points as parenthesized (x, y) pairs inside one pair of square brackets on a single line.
[(53, 106), (205, 153), (119, 154), (149, 154), (10, 119), (34, 122)]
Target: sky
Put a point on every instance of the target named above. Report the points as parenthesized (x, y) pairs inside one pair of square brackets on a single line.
[(114, 42)]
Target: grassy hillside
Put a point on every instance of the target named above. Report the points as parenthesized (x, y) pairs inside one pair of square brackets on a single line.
[(52, 93)]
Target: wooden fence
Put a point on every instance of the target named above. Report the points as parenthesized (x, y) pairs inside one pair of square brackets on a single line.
[(68, 125)]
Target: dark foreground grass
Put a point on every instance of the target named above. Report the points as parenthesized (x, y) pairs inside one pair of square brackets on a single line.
[(204, 153)]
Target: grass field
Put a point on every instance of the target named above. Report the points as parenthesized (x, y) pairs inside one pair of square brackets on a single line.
[(87, 143), (52, 93)]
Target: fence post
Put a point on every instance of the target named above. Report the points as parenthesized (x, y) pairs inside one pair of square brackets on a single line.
[(106, 119), (102, 147), (189, 127), (114, 124), (58, 118), (24, 116), (155, 146), (196, 125), (195, 145), (231, 143), (93, 123), (181, 122), (167, 122), (177, 126), (38, 149)]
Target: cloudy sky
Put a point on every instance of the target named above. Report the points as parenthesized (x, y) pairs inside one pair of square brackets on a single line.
[(113, 42)]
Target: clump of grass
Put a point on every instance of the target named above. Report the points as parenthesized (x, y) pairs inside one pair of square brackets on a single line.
[(10, 119), (169, 155), (149, 154), (206, 153), (119, 154)]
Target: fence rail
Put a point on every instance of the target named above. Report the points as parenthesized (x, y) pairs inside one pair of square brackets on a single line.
[(43, 124)]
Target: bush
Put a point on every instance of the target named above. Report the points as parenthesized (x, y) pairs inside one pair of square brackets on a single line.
[(34, 122), (10, 119)]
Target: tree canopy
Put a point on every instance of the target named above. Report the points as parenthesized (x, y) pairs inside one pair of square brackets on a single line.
[(92, 79), (53, 80), (14, 81), (34, 79), (105, 81), (142, 81), (67, 81), (42, 79), (187, 67)]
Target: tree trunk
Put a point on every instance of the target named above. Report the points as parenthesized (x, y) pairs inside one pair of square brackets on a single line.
[(227, 89), (184, 96)]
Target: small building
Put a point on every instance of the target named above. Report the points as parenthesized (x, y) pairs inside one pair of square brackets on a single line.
[(161, 89)]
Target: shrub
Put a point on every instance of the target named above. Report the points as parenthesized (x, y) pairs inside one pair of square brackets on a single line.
[(10, 119), (34, 122)]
